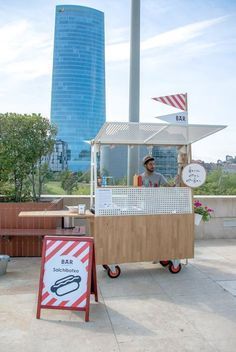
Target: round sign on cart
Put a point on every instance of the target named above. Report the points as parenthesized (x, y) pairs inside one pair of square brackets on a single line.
[(194, 175)]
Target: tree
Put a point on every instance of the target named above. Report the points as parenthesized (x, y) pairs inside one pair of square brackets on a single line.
[(24, 140), (218, 183), (43, 134)]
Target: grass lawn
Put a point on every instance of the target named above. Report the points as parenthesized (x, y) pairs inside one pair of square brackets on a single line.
[(54, 187)]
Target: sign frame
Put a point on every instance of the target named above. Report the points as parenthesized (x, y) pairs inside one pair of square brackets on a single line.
[(91, 272)]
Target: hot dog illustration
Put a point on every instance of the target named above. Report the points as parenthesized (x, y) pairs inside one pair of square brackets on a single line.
[(66, 285)]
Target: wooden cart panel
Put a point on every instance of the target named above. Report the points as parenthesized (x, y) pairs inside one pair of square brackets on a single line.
[(126, 239)]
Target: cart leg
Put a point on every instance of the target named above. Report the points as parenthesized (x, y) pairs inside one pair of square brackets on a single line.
[(175, 262), (112, 267), (175, 266)]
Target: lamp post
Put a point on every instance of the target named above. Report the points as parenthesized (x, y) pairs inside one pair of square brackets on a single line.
[(134, 84)]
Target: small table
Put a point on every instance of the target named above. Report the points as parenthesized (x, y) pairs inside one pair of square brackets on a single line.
[(61, 214)]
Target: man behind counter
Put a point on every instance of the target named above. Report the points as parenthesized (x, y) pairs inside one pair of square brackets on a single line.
[(150, 178)]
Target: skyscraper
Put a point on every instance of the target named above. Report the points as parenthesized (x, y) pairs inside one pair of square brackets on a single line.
[(78, 82)]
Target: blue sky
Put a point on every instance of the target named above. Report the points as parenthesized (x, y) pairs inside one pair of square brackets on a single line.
[(186, 46)]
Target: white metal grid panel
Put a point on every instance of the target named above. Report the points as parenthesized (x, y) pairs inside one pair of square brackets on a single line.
[(153, 133), (143, 201)]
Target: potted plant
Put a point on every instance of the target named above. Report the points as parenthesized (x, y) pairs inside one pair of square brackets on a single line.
[(201, 212)]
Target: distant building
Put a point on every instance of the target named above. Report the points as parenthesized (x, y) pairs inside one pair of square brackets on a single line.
[(228, 158), (166, 160), (78, 82), (229, 168), (210, 166), (59, 158), (114, 163)]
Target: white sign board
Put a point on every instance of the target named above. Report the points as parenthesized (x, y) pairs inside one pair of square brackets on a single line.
[(103, 198), (180, 118), (194, 175), (68, 274)]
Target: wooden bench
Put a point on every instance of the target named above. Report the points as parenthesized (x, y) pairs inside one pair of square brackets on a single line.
[(28, 242)]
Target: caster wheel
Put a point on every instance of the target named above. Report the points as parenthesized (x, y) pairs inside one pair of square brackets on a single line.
[(114, 274), (106, 267), (174, 270), (164, 262)]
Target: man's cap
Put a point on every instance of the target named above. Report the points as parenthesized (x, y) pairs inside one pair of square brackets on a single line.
[(147, 158)]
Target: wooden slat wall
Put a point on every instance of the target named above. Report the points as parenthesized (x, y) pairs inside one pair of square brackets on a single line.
[(125, 239), (25, 246), (21, 246), (9, 215)]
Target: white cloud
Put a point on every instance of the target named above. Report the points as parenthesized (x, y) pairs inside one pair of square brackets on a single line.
[(120, 52), (179, 35), (117, 35), (25, 53)]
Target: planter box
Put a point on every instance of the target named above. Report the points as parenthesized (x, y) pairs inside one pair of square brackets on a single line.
[(25, 246)]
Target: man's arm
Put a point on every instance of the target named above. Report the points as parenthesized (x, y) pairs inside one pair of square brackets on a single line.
[(165, 183)]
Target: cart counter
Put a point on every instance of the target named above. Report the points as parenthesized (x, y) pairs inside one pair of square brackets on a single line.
[(142, 224), (123, 201)]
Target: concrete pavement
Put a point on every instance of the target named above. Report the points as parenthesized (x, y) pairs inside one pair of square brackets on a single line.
[(145, 309)]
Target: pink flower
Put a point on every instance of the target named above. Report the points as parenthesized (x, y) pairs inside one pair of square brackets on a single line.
[(199, 208), (197, 203)]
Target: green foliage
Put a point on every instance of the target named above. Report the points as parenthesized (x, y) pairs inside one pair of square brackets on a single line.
[(121, 181), (83, 189), (218, 183), (104, 172), (24, 140), (54, 187), (69, 181), (84, 176)]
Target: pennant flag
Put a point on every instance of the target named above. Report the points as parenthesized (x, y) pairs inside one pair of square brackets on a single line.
[(180, 118), (178, 101)]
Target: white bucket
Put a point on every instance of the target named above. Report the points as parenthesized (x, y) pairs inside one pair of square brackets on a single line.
[(197, 219), (4, 259)]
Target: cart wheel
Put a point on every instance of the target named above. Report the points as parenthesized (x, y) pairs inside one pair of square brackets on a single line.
[(174, 270), (105, 266), (114, 274), (164, 262)]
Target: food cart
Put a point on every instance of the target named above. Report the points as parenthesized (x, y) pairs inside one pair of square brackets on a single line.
[(137, 224)]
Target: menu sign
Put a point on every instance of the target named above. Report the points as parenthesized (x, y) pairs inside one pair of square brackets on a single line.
[(68, 274), (103, 199), (194, 175)]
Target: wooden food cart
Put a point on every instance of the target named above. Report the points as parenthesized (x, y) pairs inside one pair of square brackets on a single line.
[(136, 224)]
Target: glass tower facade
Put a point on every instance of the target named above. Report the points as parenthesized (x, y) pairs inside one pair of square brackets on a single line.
[(78, 81), (166, 160)]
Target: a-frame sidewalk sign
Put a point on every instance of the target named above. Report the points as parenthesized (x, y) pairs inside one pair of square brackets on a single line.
[(68, 274)]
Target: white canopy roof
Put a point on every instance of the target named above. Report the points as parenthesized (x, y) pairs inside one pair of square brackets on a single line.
[(153, 133)]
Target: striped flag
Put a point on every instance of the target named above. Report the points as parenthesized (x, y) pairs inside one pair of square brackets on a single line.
[(178, 101)]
